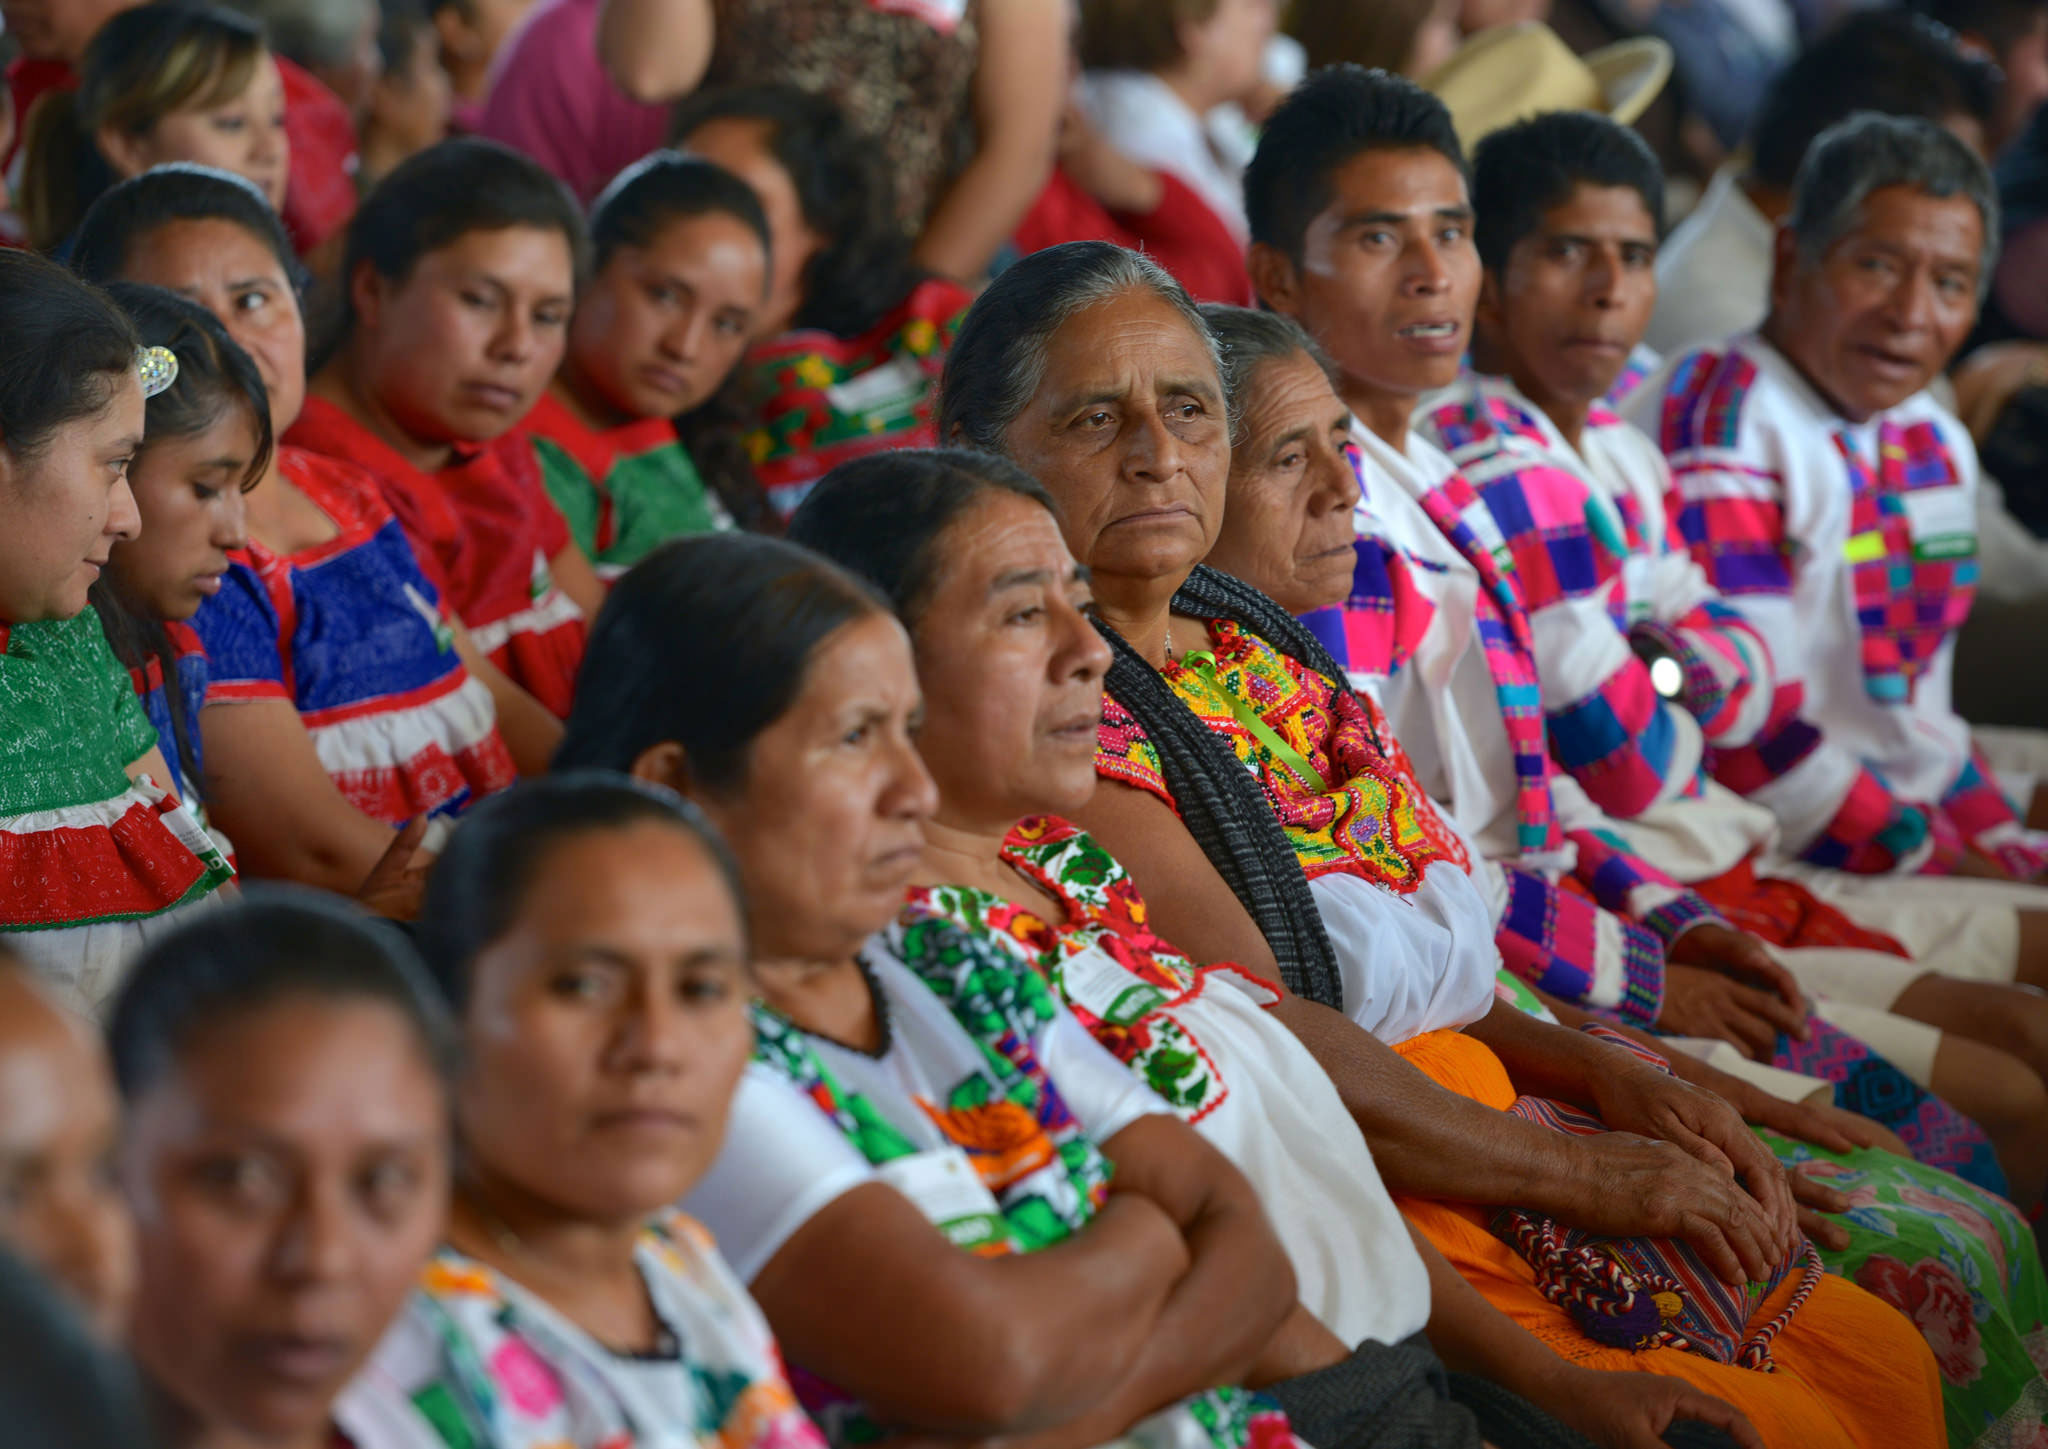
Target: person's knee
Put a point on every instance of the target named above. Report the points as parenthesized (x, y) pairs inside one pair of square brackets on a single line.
[(2003, 1092)]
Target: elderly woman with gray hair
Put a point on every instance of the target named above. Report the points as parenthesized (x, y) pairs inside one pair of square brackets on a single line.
[(1234, 759), (1833, 503)]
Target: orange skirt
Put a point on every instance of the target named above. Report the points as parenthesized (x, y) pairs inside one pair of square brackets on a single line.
[(1851, 1371)]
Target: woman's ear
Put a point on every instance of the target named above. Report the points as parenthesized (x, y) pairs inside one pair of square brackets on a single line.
[(366, 293), (663, 764), (1272, 277), (122, 149)]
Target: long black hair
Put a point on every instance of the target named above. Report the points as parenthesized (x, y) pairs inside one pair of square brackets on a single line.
[(881, 516), (705, 643), (484, 876), (864, 270), (67, 346), (215, 376), (639, 202)]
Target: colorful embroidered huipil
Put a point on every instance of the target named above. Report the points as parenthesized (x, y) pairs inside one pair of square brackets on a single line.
[(478, 1361), (1363, 832), (1205, 1039), (622, 490), (819, 400), (485, 532), (1850, 549), (1595, 564), (352, 634), (189, 663), (965, 1070), (90, 860)]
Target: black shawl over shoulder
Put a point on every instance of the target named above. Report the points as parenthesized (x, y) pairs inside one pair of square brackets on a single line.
[(1220, 803)]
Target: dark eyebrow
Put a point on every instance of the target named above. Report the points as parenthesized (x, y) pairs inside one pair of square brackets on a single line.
[(1082, 574), (1019, 579), (1293, 435), (1192, 387)]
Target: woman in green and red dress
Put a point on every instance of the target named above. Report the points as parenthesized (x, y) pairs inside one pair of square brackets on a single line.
[(95, 855), (679, 277)]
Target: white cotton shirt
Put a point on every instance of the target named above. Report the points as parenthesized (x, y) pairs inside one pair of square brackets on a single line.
[(783, 1160), (1141, 116), (1279, 1119), (1783, 454)]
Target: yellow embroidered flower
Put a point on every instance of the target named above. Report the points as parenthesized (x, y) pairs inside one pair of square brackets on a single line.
[(446, 1278), (813, 372), (760, 443), (921, 337)]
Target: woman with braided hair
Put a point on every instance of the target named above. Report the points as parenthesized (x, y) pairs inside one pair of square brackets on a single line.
[(1089, 367)]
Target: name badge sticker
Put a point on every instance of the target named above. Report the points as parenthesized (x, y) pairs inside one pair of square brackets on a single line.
[(951, 1195), (1943, 521), (1093, 981)]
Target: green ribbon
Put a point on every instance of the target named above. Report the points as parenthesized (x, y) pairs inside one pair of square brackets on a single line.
[(1202, 664)]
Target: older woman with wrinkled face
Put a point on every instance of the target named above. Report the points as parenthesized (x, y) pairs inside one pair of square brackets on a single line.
[(1328, 869)]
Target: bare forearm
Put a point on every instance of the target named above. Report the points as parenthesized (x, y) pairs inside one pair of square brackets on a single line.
[(1543, 1060), (1427, 1141), (1472, 1336), (981, 209)]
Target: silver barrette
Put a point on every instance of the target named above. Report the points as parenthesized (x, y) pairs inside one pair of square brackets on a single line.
[(157, 367)]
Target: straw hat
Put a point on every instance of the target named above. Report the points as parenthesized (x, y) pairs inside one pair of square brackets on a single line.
[(1511, 72)]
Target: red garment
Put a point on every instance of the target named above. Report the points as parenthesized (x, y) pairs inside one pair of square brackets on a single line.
[(1785, 913), (321, 195), (1181, 233), (485, 531)]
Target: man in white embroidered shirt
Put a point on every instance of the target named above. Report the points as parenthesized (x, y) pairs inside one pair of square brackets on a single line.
[(1831, 501)]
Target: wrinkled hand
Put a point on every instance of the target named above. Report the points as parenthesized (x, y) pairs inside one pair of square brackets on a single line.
[(398, 880), (1622, 1186), (1822, 1125), (1814, 1198), (1739, 956), (1636, 1097), (1707, 1003), (1633, 1411)]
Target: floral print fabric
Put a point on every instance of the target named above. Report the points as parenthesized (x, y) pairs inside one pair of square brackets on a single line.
[(1963, 1266)]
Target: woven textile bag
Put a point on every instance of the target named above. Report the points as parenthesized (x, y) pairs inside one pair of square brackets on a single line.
[(1640, 1293)]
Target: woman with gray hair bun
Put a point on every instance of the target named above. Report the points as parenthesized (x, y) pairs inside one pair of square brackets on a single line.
[(1329, 870)]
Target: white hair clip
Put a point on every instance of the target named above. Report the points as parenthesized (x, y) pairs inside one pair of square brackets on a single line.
[(157, 367)]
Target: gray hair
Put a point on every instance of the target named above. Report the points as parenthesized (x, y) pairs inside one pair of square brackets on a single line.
[(1868, 152), (310, 32), (997, 362), (1251, 339)]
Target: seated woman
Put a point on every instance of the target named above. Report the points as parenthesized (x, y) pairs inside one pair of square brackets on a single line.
[(336, 680), (94, 855), (679, 257), (853, 334), (286, 1153), (588, 930), (457, 285), (968, 550), (1291, 490), (60, 1123), (157, 84), (1128, 429), (940, 1142), (206, 442)]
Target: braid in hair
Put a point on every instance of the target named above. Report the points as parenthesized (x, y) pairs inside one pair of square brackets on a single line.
[(1220, 804)]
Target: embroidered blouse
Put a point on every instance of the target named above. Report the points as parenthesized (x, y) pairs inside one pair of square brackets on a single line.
[(486, 532), (819, 400), (1851, 550), (621, 490), (89, 860), (353, 634), (984, 1109), (479, 1362), (1202, 1038)]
